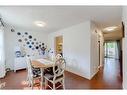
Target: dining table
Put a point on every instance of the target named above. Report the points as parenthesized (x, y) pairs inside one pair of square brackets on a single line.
[(42, 63)]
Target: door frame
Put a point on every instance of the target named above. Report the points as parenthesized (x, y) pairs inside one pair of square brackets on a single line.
[(55, 43)]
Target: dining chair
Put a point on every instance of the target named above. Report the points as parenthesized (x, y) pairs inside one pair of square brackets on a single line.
[(58, 56), (2, 84), (50, 70), (57, 76), (32, 74)]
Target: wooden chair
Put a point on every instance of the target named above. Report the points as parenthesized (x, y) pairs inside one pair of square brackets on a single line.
[(31, 75), (57, 76)]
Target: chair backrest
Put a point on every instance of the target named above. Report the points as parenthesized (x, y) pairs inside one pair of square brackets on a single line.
[(59, 67), (29, 66), (58, 56)]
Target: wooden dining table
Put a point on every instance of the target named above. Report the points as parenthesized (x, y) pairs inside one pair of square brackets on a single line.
[(42, 64)]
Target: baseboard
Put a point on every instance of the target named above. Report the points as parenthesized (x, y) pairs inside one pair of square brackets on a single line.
[(94, 73), (77, 74)]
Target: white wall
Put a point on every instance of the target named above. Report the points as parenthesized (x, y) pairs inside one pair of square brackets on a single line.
[(94, 50), (77, 43), (101, 48), (76, 48), (124, 41), (96, 36), (11, 40), (2, 53)]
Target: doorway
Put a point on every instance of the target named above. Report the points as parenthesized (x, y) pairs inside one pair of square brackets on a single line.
[(112, 49), (59, 45)]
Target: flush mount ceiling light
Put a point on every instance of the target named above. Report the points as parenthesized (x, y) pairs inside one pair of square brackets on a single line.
[(40, 23), (110, 28)]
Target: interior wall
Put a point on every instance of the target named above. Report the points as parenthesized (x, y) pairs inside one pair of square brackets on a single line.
[(2, 53), (94, 50), (96, 38), (11, 41), (76, 48), (80, 48), (101, 38), (2, 58), (124, 46)]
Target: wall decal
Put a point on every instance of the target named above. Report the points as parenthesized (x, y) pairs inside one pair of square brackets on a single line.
[(18, 33), (20, 40), (37, 47), (32, 43), (26, 33), (30, 46), (42, 43), (30, 37), (37, 43), (34, 39), (12, 30), (43, 50), (28, 43), (25, 39)]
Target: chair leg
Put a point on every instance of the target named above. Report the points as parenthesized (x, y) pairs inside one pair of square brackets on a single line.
[(53, 86), (32, 83), (45, 83), (63, 84), (29, 81)]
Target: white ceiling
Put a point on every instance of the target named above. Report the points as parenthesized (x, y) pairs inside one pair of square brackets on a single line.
[(59, 17)]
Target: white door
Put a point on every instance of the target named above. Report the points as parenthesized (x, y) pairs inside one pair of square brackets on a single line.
[(2, 56)]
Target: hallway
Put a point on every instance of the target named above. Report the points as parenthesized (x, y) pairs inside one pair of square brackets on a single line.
[(109, 75), (111, 71)]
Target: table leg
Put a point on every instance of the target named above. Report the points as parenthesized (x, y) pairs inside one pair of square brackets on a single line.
[(42, 73)]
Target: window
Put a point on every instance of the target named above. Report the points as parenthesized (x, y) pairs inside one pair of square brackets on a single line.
[(112, 49)]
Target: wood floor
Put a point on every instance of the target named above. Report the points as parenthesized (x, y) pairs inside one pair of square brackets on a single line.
[(107, 78)]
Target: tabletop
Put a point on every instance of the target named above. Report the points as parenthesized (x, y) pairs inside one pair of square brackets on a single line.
[(42, 63)]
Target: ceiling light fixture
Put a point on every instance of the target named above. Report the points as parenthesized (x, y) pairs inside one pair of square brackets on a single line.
[(110, 28), (40, 23)]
